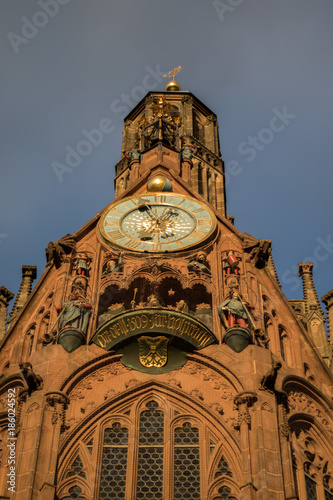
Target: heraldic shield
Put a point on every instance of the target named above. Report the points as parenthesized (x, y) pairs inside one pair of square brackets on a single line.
[(153, 351)]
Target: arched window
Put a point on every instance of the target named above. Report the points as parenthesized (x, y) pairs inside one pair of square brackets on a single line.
[(198, 128), (154, 450)]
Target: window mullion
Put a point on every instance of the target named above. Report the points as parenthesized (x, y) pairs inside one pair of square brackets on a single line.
[(132, 462), (168, 460)]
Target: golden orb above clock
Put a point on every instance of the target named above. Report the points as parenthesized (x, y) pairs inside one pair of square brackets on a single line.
[(157, 223)]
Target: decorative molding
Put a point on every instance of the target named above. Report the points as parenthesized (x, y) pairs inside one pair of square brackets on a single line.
[(243, 402), (300, 403)]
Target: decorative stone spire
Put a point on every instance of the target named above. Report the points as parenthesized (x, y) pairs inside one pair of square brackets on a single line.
[(309, 291), (29, 274), (314, 313), (5, 297), (271, 268), (328, 301)]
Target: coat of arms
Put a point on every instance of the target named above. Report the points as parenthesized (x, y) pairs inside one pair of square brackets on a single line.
[(153, 351)]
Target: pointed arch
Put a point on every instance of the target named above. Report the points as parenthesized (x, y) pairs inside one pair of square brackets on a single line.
[(311, 424), (142, 409)]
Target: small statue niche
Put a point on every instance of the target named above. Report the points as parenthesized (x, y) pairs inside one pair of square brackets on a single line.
[(234, 311), (199, 264), (81, 264), (231, 264), (75, 313), (113, 264)]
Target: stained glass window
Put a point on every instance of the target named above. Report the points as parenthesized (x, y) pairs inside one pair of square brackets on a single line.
[(114, 463), (75, 492), (223, 468), (187, 463), (76, 468), (311, 488), (151, 447)]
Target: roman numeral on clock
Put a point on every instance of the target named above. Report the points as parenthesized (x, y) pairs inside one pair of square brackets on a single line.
[(132, 243), (116, 235)]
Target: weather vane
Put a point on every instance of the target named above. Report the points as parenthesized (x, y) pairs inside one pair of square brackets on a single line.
[(173, 73), (172, 86)]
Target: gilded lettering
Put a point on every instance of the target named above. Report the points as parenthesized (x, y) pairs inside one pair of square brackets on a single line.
[(133, 324), (112, 332), (171, 321), (138, 322), (123, 327), (144, 319), (101, 341)]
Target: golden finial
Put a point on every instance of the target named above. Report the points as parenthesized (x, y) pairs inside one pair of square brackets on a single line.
[(172, 86)]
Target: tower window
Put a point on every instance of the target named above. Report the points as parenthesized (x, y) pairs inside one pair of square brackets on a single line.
[(198, 129)]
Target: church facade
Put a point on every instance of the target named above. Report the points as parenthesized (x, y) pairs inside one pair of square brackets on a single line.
[(157, 357)]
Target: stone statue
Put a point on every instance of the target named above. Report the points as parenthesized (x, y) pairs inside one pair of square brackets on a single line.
[(230, 263), (269, 379), (153, 301), (75, 313), (56, 251), (113, 266), (259, 250), (235, 311), (188, 151), (33, 380), (81, 263), (133, 154), (199, 264)]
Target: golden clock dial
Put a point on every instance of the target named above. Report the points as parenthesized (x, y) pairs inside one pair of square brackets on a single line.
[(157, 223)]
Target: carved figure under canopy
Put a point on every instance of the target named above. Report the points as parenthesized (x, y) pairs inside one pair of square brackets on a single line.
[(230, 263), (133, 154), (199, 264), (75, 313), (188, 151), (235, 311), (113, 265), (81, 263)]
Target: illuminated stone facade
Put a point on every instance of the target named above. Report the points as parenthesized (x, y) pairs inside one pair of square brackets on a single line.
[(182, 373)]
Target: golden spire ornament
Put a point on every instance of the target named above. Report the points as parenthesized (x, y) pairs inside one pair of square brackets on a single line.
[(172, 86)]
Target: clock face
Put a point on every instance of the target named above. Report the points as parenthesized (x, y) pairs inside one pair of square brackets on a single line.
[(157, 223)]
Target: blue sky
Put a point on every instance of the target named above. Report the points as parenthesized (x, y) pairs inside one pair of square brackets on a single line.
[(66, 64)]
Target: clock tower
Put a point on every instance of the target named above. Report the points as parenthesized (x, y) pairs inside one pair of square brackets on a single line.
[(157, 357)]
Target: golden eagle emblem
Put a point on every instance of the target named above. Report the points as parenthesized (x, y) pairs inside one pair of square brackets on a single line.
[(153, 351)]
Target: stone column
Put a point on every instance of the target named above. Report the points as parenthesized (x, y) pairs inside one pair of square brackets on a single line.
[(328, 301), (186, 170), (204, 182), (39, 442), (53, 422), (195, 177), (134, 170), (315, 315), (267, 469), (29, 274), (286, 458), (243, 402), (5, 297)]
